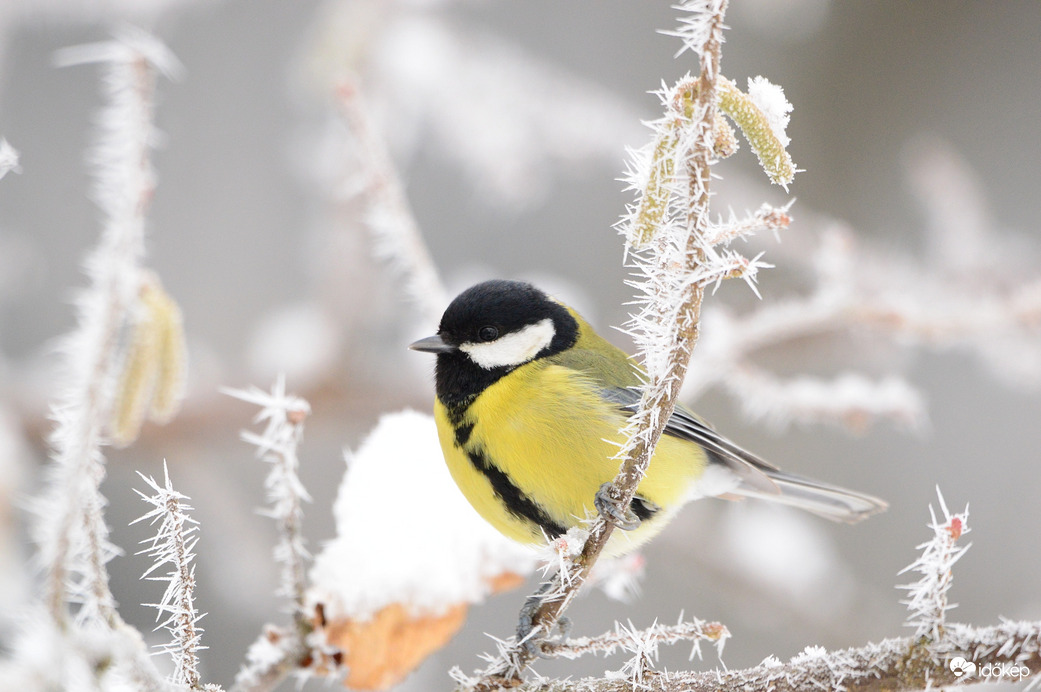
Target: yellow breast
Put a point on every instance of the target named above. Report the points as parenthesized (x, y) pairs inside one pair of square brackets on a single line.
[(532, 450)]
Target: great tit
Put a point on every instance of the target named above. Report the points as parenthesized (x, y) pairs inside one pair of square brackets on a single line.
[(530, 402)]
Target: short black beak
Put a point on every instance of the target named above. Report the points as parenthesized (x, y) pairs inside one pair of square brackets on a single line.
[(432, 344)]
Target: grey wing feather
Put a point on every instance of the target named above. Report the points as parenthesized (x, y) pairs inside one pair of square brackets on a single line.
[(753, 471), (759, 478), (828, 501)]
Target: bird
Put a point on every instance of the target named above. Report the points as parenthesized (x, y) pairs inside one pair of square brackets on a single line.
[(530, 404)]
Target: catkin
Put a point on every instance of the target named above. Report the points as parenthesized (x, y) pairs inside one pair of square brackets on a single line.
[(655, 200), (152, 380), (740, 108), (170, 379)]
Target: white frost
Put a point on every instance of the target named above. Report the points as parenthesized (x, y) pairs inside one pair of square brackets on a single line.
[(8, 158)]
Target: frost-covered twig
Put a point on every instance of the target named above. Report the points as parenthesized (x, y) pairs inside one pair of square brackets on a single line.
[(506, 119), (851, 399), (73, 538), (976, 290), (174, 545), (389, 216), (669, 228), (271, 658), (694, 631), (285, 415), (1006, 652), (277, 444), (927, 597), (939, 653), (642, 645)]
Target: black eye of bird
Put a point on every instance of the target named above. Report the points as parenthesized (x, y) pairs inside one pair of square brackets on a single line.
[(488, 334)]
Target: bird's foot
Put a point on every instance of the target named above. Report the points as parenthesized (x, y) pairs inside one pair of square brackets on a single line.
[(611, 509), (529, 635), (532, 636)]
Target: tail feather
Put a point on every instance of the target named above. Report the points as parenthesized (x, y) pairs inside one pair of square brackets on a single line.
[(828, 501)]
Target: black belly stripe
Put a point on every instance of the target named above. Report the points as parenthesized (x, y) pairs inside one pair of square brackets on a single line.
[(517, 503), (462, 433)]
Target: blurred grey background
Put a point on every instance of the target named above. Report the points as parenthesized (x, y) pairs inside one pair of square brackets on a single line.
[(249, 234)]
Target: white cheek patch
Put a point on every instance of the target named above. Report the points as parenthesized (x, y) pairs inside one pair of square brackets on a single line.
[(512, 349)]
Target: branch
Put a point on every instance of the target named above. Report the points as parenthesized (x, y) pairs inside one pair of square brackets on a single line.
[(927, 598), (396, 234), (174, 544), (938, 654), (623, 637), (73, 536), (71, 531), (1007, 651), (275, 655), (279, 652), (677, 267), (976, 289)]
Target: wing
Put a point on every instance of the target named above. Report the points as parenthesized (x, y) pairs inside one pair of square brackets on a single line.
[(758, 478), (617, 376), (753, 472)]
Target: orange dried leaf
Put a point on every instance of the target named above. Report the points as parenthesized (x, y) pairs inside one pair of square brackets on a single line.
[(382, 651), (507, 581)]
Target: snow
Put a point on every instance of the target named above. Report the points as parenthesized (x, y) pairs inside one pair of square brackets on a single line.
[(771, 101), (405, 534)]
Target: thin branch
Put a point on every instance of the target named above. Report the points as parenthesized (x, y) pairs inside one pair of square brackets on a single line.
[(275, 655), (976, 289), (285, 415), (278, 652), (927, 597), (670, 334), (73, 536), (694, 631), (1007, 652), (939, 653), (174, 545), (71, 531), (389, 215)]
